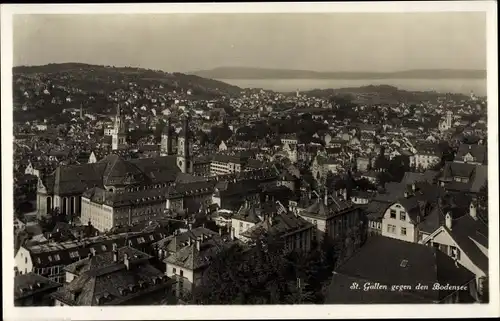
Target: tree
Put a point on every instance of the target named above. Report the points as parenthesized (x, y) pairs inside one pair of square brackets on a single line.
[(263, 274)]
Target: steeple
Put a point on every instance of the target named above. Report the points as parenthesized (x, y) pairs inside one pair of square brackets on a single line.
[(183, 156), (166, 139), (119, 132)]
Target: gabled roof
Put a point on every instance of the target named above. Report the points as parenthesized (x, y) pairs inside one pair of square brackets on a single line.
[(278, 224), (335, 206), (191, 258), (391, 262), (29, 284), (466, 232), (479, 152), (102, 281), (121, 172)]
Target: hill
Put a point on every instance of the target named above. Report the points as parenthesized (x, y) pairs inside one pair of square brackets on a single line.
[(264, 73), (43, 91), (381, 94)]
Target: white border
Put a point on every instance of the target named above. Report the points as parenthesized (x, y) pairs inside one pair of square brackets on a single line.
[(248, 312)]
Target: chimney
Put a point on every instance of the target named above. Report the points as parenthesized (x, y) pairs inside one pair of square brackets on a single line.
[(220, 231), (126, 261), (198, 244), (472, 211), (92, 251), (190, 226), (345, 194), (448, 221), (189, 240), (232, 234), (413, 187), (326, 196)]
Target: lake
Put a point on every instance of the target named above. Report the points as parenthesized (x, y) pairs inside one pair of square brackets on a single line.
[(464, 86)]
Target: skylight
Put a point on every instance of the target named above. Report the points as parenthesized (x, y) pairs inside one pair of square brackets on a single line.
[(404, 263)]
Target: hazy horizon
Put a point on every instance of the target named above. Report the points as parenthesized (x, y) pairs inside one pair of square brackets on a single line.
[(316, 42)]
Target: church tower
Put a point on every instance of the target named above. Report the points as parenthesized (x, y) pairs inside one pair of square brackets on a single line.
[(183, 158), (449, 116), (119, 140), (167, 139)]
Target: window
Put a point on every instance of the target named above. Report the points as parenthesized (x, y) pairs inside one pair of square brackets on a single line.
[(454, 252), (50, 258), (58, 258), (393, 213), (241, 225), (174, 271), (402, 216), (26, 260), (181, 272), (403, 231), (391, 228)]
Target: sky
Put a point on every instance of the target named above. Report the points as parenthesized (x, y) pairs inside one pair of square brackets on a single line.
[(380, 42)]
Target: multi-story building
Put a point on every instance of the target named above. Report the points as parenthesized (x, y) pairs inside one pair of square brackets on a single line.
[(331, 216), (247, 216), (463, 177), (391, 271), (472, 154), (425, 157), (105, 209), (231, 194), (463, 238), (50, 259), (223, 164), (190, 197), (33, 290), (295, 232), (192, 256), (123, 276), (63, 189)]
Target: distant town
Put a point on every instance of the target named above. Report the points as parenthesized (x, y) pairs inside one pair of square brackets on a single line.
[(142, 187)]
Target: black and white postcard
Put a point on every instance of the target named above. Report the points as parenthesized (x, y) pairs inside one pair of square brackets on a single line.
[(250, 160)]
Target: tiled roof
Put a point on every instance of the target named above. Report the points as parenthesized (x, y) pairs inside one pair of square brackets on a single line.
[(466, 231), (29, 284), (191, 189), (334, 207), (239, 187), (278, 224), (192, 258), (248, 213), (103, 281), (64, 253), (173, 243), (479, 152), (121, 172), (390, 262), (75, 179)]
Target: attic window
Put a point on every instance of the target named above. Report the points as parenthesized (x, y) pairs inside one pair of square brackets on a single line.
[(404, 263)]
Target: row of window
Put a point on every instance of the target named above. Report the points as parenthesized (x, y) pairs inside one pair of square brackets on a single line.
[(52, 270), (402, 215), (392, 229), (375, 225)]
